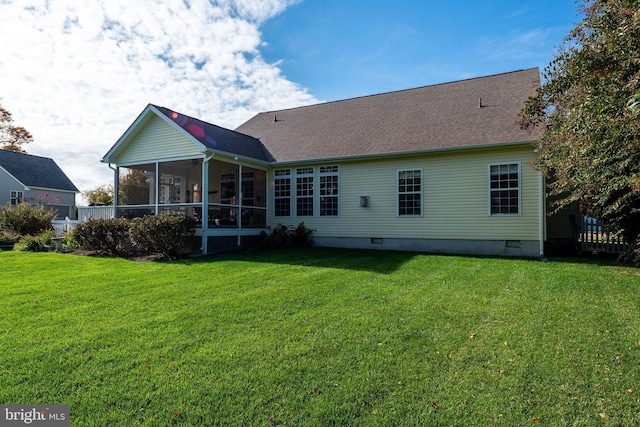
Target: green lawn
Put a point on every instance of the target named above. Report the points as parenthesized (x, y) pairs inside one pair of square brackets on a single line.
[(322, 337)]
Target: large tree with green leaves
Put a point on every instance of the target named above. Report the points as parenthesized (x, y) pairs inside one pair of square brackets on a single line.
[(588, 102), (12, 137)]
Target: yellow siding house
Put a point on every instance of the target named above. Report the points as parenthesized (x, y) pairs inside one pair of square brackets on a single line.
[(443, 168)]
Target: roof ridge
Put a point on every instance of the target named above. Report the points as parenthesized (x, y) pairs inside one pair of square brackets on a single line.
[(400, 90), (26, 154)]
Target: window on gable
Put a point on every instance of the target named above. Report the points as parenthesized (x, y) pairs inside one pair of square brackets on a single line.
[(282, 192), (329, 190), (304, 191), (410, 192), (504, 189), (16, 197)]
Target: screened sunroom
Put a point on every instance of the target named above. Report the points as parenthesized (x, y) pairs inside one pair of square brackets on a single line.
[(225, 199), (168, 163)]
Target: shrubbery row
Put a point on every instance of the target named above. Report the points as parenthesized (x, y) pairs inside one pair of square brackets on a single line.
[(282, 236), (165, 234)]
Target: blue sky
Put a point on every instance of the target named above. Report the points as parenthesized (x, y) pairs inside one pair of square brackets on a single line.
[(76, 73), (339, 49)]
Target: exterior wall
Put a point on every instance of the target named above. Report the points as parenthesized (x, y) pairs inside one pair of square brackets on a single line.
[(8, 183), (63, 202), (65, 205), (157, 140), (455, 196)]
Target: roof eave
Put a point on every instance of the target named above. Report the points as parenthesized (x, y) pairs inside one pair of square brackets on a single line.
[(57, 190), (408, 153)]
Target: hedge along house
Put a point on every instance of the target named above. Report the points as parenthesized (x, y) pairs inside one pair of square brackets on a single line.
[(442, 168)]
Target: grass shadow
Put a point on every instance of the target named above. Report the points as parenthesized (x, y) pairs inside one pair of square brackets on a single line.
[(384, 262)]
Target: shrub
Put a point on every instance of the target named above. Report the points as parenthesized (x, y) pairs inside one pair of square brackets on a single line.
[(103, 235), (25, 219), (39, 243), (166, 234), (632, 255), (282, 237), (8, 235)]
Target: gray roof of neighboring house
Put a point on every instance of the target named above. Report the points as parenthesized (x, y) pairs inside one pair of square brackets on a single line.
[(217, 137), (463, 114), (35, 171)]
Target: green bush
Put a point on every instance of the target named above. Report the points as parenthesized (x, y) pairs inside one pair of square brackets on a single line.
[(282, 237), (8, 235), (166, 234), (26, 219), (632, 255), (109, 236), (39, 243)]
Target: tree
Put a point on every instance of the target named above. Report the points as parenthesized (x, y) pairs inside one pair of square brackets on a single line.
[(12, 137), (590, 150), (99, 195)]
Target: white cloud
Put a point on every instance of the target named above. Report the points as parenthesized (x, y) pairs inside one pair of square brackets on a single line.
[(76, 73)]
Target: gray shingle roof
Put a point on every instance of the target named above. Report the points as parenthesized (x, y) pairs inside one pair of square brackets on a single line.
[(35, 171), (219, 138), (442, 116)]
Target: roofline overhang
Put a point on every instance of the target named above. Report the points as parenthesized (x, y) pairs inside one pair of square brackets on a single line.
[(57, 190), (398, 154)]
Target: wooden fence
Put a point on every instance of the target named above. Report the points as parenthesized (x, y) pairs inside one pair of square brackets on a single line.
[(594, 237)]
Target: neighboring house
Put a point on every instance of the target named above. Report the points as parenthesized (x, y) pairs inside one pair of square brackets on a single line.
[(36, 180), (442, 168)]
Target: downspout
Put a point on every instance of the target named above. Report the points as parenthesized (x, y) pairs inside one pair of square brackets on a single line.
[(542, 214), (115, 189), (543, 203)]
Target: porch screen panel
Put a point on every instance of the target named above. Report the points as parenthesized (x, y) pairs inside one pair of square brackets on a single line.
[(136, 185)]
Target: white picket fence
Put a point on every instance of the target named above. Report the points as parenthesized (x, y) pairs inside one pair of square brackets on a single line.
[(62, 226), (99, 212)]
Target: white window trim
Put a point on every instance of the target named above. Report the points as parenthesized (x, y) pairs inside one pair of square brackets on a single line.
[(320, 174), (519, 189), (19, 196), (313, 197), (291, 196), (397, 184)]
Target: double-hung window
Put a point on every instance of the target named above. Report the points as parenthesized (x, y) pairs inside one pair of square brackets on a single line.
[(504, 189), (410, 192), (304, 191), (329, 184), (282, 192), (16, 197)]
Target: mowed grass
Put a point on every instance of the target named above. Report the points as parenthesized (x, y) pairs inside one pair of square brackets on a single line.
[(322, 337)]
